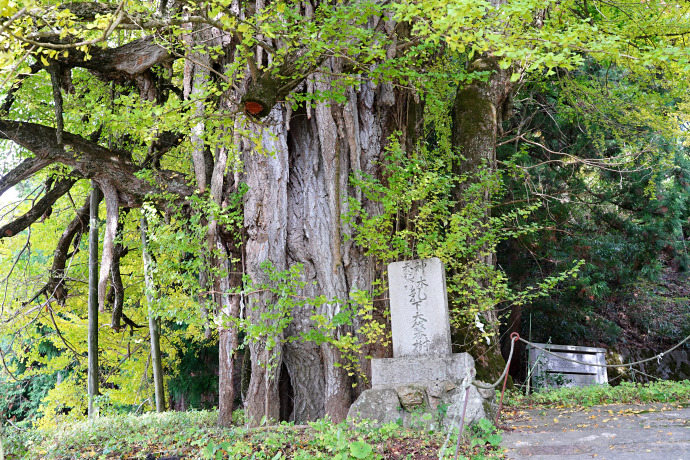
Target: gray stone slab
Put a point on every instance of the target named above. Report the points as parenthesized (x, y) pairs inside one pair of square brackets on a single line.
[(411, 369), (551, 371), (419, 308)]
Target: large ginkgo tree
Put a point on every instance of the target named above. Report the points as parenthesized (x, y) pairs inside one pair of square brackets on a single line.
[(282, 152)]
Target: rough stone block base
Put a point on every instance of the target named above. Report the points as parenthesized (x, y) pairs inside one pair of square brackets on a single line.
[(423, 392), (411, 369), (425, 405)]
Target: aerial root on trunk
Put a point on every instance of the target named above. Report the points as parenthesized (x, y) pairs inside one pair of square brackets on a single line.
[(112, 206)]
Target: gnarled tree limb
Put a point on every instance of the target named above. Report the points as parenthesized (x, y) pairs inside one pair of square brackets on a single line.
[(22, 171), (89, 159), (35, 213), (56, 284), (56, 80), (126, 64)]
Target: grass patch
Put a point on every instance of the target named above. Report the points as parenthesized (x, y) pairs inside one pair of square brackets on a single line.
[(625, 393), (194, 435)]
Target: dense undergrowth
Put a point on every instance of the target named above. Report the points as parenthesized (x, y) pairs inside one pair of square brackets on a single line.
[(195, 435), (625, 393)]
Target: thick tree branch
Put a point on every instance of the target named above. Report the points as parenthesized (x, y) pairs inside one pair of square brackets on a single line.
[(38, 210), (56, 284), (90, 160), (24, 170), (16, 86), (56, 80), (126, 64), (122, 62)]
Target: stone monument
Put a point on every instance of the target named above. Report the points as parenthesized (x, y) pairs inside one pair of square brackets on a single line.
[(419, 308), (423, 382)]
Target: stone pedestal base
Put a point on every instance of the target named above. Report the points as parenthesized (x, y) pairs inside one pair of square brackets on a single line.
[(423, 392), (424, 405), (397, 371)]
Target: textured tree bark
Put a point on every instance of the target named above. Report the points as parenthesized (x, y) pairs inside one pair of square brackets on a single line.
[(117, 288), (370, 116), (227, 346), (477, 112), (228, 309), (225, 259), (210, 173), (293, 213), (112, 210), (265, 217), (197, 74)]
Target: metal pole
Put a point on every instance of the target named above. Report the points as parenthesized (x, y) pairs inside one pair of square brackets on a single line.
[(93, 297), (154, 327), (462, 420)]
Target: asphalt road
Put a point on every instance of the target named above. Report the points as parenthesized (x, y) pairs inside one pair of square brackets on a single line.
[(656, 431)]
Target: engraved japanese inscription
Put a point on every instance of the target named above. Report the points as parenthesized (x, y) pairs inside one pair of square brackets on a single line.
[(419, 308), (415, 286)]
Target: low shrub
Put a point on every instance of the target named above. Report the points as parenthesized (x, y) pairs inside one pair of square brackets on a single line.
[(625, 393)]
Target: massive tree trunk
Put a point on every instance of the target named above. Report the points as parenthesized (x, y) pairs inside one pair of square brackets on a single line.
[(298, 187), (265, 217), (293, 215), (477, 115)]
